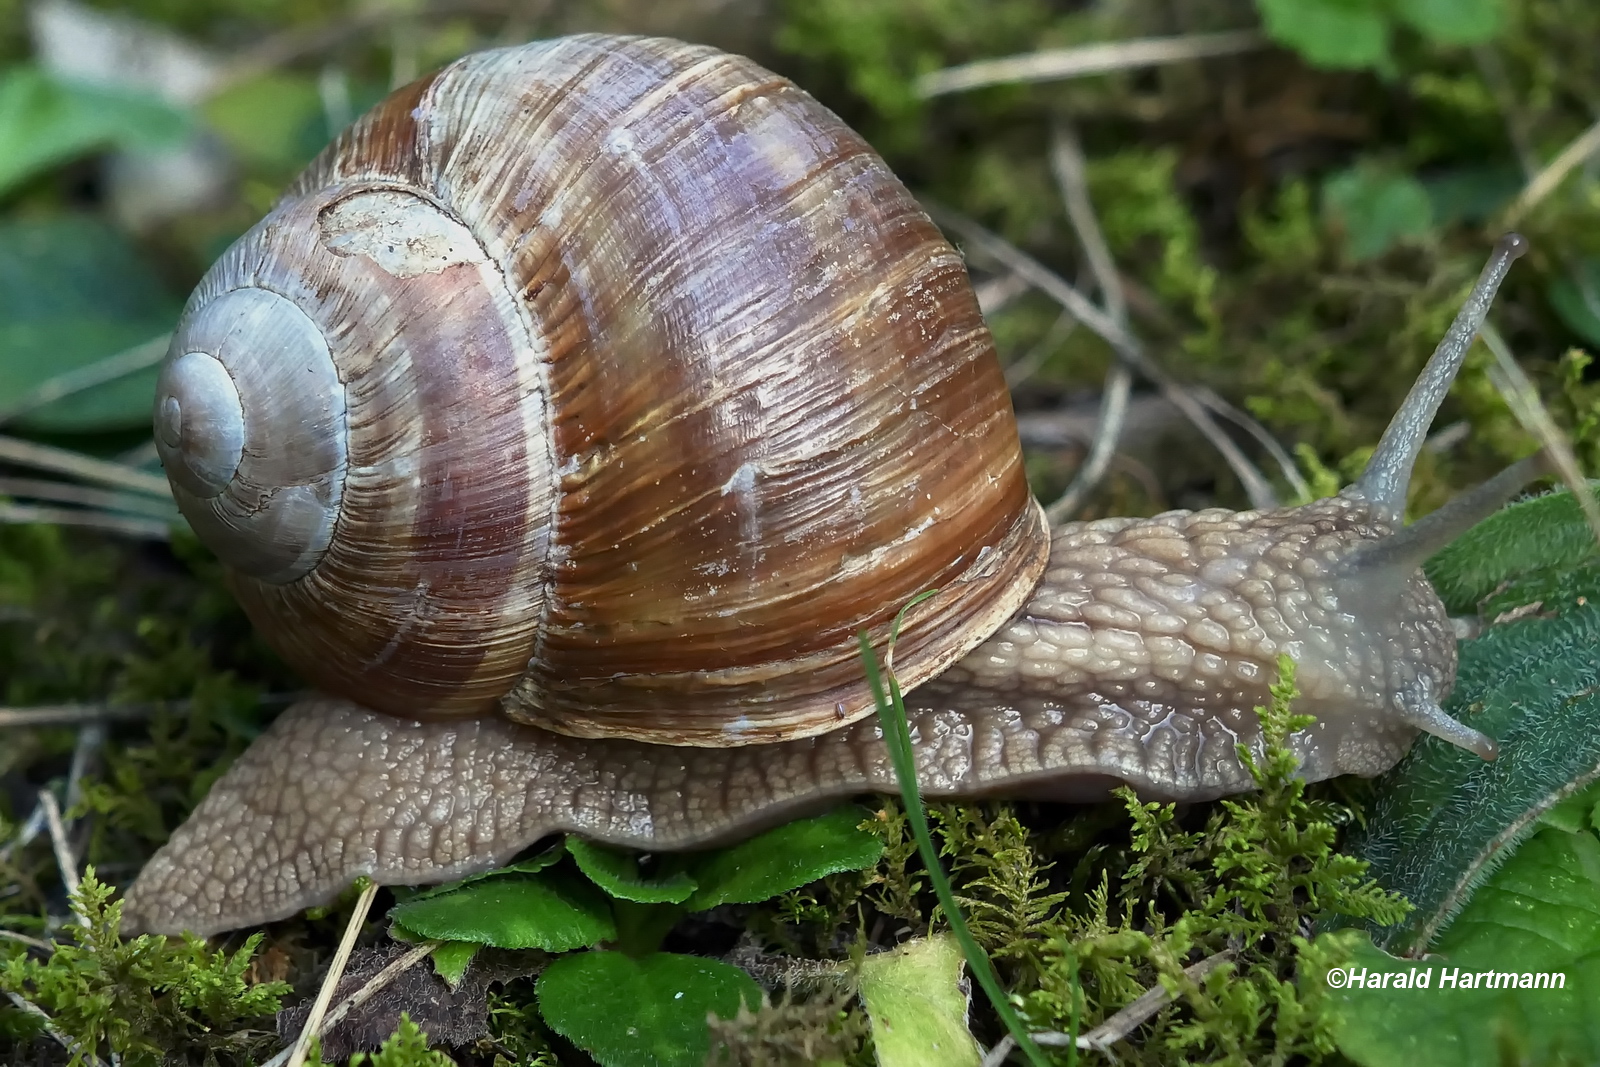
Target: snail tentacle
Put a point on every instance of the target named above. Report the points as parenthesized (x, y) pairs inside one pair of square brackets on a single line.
[(1388, 473)]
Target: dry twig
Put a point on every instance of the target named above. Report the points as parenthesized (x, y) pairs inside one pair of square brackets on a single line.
[(1523, 398), (302, 1045), (120, 365), (1061, 63), (58, 839), (1066, 161), (107, 521), (84, 468), (376, 984), (1120, 1025), (69, 714), (84, 496), (1553, 174), (1122, 342), (24, 939)]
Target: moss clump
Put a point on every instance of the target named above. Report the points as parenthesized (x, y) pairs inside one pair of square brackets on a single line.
[(406, 1047), (148, 1001)]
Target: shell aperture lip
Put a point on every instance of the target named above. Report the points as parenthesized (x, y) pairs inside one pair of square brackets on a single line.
[(199, 423), (250, 422)]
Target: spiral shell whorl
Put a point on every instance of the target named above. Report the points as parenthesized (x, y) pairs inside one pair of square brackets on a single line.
[(250, 422), (660, 387)]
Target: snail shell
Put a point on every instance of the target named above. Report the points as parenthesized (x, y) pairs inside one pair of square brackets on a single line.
[(612, 380)]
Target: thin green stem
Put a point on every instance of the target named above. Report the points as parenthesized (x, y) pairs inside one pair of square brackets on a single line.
[(897, 734)]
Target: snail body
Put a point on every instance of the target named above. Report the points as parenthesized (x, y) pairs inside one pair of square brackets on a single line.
[(566, 421)]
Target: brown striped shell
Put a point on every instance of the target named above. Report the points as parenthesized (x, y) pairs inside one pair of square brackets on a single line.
[(612, 380)]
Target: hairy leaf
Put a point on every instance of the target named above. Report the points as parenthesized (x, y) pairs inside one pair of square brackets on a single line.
[(641, 1012), (1576, 298), (1443, 819), (1544, 533), (74, 291), (553, 910), (617, 872), (1329, 33), (917, 1007), (548, 858), (785, 858), (1539, 914), (1454, 21), (1376, 210)]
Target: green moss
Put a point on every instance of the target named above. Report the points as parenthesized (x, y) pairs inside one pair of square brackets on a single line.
[(406, 1047), (150, 1000)]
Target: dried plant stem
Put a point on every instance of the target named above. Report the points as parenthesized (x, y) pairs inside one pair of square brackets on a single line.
[(1067, 162), (1554, 173), (83, 496), (1120, 1025), (1062, 63), (1122, 342), (24, 939), (85, 755), (1523, 398), (72, 714), (69, 714), (58, 839), (375, 985), (1280, 455), (280, 48), (31, 828), (106, 521), (1025, 367), (84, 468), (996, 293), (84, 1055), (347, 944)]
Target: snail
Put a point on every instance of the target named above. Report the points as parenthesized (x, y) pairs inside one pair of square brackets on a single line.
[(567, 419)]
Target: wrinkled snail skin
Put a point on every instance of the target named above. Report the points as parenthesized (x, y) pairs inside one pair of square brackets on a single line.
[(569, 418)]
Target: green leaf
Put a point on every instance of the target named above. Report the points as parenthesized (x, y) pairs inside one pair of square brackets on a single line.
[(1539, 913), (552, 910), (45, 121), (784, 858), (1542, 534), (1441, 821), (617, 872), (916, 1005), (1376, 209), (548, 858), (1576, 298), (451, 960), (275, 120), (645, 1012), (73, 292), (1330, 33), (1454, 21)]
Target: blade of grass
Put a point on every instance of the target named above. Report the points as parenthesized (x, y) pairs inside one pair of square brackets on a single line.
[(897, 735)]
